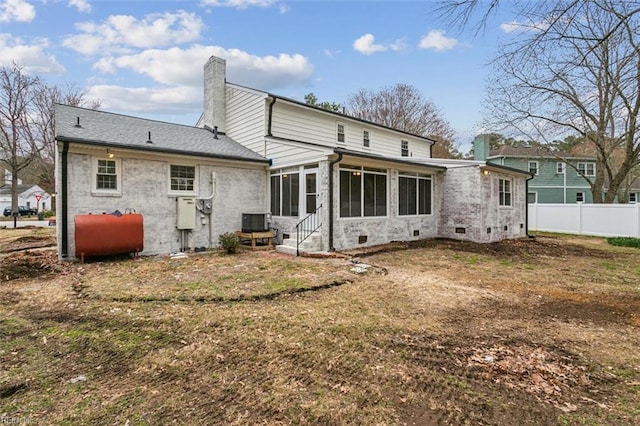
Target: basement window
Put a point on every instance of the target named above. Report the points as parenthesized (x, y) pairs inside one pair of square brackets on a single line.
[(461, 230)]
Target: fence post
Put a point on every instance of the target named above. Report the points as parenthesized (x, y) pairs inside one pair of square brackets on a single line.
[(579, 213), (637, 221)]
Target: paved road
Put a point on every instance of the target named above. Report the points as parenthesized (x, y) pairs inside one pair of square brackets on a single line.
[(23, 223)]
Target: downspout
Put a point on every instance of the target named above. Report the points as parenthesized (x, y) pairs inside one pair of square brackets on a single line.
[(273, 101), (526, 211), (64, 228), (331, 164)]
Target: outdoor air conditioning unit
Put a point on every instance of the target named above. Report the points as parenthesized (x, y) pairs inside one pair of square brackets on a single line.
[(255, 222)]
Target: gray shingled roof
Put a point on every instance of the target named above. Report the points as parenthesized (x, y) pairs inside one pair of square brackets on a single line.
[(6, 189), (532, 152), (116, 130)]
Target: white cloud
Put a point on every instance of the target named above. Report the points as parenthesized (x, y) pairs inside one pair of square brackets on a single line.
[(513, 26), (241, 4), (150, 100), (366, 45), (178, 66), (121, 32), (81, 5), (32, 57), (437, 40), (509, 27), (17, 10)]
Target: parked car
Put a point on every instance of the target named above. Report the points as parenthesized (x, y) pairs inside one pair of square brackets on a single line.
[(22, 211)]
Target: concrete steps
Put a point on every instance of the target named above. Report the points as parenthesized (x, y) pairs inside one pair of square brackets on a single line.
[(311, 245)]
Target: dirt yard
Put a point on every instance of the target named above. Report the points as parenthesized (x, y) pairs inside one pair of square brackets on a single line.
[(543, 332)]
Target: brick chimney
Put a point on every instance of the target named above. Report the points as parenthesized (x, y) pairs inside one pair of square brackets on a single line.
[(214, 94)]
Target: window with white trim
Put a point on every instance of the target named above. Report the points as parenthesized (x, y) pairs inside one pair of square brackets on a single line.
[(560, 167), (533, 167), (340, 129), (106, 176), (414, 194), (579, 197), (365, 139), (285, 193), (504, 191), (363, 191), (182, 178), (532, 197), (404, 148), (587, 169), (633, 197)]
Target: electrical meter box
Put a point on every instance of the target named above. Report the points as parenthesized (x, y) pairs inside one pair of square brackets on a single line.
[(186, 212)]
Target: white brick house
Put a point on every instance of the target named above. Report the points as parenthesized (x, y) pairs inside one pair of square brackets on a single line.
[(362, 184)]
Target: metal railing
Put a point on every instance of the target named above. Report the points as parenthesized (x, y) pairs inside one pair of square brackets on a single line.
[(307, 226)]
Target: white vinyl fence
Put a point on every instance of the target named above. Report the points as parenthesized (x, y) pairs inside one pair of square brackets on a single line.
[(603, 220)]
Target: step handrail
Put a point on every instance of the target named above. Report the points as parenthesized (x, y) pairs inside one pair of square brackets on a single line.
[(307, 226)]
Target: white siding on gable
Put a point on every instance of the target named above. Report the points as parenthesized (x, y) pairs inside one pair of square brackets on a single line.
[(246, 118), (299, 123), (285, 154)]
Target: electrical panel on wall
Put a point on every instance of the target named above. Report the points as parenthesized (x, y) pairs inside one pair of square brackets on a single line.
[(186, 213)]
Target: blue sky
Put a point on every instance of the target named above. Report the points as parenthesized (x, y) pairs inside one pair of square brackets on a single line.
[(145, 58)]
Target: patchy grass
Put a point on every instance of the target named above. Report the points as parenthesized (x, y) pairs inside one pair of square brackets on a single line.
[(437, 332), (624, 241)]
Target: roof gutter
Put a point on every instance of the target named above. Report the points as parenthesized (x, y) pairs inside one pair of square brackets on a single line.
[(66, 139), (331, 164)]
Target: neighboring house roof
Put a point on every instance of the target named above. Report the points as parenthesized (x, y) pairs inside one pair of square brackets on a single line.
[(22, 188), (91, 127), (533, 152), (345, 116)]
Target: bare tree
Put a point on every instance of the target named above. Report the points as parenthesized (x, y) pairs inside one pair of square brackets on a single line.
[(27, 139), (576, 71), (41, 133), (403, 107), (16, 150)]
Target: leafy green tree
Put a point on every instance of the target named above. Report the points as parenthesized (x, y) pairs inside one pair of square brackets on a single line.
[(312, 100)]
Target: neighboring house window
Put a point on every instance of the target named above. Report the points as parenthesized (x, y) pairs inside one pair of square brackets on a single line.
[(341, 138), (533, 167), (182, 178), (106, 176), (285, 193), (579, 197), (504, 189), (532, 197), (404, 148), (365, 138), (363, 192), (587, 169), (633, 197), (414, 194), (560, 166)]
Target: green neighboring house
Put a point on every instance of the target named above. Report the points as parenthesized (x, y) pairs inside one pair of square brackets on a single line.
[(554, 181)]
